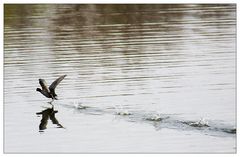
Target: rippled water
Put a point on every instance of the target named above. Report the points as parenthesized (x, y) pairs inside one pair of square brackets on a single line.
[(140, 78)]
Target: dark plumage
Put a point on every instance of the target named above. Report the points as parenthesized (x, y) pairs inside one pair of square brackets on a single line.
[(49, 92)]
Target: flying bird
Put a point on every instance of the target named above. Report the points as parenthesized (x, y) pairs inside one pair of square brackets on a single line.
[(49, 92)]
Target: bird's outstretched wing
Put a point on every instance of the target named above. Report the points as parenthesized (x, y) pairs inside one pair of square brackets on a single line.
[(55, 83), (43, 84)]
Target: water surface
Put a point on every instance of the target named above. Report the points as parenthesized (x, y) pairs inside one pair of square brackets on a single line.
[(140, 78)]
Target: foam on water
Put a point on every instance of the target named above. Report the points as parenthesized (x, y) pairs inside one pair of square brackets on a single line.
[(170, 121)]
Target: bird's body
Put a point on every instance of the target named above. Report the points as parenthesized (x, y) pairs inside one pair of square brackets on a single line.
[(49, 92)]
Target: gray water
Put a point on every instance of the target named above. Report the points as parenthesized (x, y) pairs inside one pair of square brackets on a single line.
[(140, 78)]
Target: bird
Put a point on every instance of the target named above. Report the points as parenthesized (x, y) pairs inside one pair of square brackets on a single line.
[(49, 92)]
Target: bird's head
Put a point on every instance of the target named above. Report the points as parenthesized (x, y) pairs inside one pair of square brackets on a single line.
[(38, 89)]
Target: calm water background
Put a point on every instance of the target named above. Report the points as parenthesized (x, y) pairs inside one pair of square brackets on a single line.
[(140, 78)]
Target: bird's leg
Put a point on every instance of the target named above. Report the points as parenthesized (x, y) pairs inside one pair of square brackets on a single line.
[(51, 102)]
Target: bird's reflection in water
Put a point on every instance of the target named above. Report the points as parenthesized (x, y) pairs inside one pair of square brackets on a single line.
[(47, 114)]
